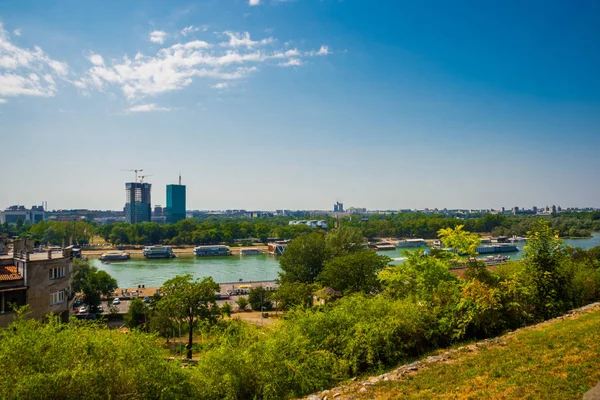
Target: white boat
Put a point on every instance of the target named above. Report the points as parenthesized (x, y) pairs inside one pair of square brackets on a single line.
[(384, 246), (210, 251), (411, 243), (250, 252), (516, 239), (115, 255), (158, 252)]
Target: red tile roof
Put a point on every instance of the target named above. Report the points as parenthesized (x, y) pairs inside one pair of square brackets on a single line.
[(9, 273)]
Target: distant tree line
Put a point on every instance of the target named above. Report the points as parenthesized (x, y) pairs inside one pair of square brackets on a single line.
[(221, 229)]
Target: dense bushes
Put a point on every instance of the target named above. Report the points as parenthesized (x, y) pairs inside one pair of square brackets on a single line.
[(84, 360)]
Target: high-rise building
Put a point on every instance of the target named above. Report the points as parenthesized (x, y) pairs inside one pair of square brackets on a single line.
[(175, 210), (137, 202)]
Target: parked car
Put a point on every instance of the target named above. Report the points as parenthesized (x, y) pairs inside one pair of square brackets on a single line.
[(83, 309), (146, 299), (116, 301), (100, 309)]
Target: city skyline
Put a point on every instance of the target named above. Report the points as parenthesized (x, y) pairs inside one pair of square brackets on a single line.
[(298, 104)]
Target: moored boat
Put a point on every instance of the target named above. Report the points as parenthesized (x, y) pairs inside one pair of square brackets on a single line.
[(158, 252), (384, 246), (411, 243), (250, 252), (496, 248), (115, 255), (214, 250), (277, 248)]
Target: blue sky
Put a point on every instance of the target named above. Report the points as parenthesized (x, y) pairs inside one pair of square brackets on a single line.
[(297, 104)]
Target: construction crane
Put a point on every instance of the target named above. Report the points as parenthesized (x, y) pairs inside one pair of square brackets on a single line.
[(134, 192), (144, 176), (134, 170)]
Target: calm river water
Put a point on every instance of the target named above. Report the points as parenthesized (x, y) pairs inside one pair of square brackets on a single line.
[(153, 273)]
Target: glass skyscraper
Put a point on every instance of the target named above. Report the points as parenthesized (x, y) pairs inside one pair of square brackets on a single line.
[(175, 203)]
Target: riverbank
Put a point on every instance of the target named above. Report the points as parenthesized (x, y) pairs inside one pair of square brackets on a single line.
[(184, 251), (140, 292)]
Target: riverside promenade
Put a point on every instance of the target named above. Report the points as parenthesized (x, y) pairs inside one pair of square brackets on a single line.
[(132, 293)]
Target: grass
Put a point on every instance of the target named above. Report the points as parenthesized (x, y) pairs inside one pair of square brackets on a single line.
[(558, 360)]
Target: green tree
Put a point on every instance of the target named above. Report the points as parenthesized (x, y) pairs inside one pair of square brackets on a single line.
[(419, 276), (303, 258), (344, 240), (260, 299), (92, 283), (226, 310), (190, 301), (137, 315), (543, 256), (294, 294), (465, 243), (242, 303), (354, 272)]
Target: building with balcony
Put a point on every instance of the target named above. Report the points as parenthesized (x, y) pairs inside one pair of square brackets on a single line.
[(41, 280)]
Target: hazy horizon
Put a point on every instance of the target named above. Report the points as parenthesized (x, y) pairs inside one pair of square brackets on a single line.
[(273, 104)]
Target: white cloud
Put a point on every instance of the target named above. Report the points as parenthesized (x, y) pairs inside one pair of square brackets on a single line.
[(147, 108), (2, 101), (243, 40), (158, 37), (17, 85), (292, 62), (17, 32), (222, 85), (96, 59), (27, 72), (323, 51), (191, 29), (177, 66), (253, 2)]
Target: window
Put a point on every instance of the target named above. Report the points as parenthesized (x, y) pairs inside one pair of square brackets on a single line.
[(58, 297), (55, 273)]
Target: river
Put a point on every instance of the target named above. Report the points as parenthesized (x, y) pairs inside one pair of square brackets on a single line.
[(152, 273)]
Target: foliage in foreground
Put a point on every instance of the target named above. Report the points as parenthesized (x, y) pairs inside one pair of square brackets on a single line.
[(85, 360), (556, 361), (421, 307)]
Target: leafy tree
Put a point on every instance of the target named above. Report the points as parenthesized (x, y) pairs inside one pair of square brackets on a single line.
[(190, 301), (92, 282), (242, 303), (260, 299), (226, 310), (354, 272), (543, 256), (344, 240), (419, 276), (464, 242), (303, 258), (19, 223), (294, 294), (137, 315)]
